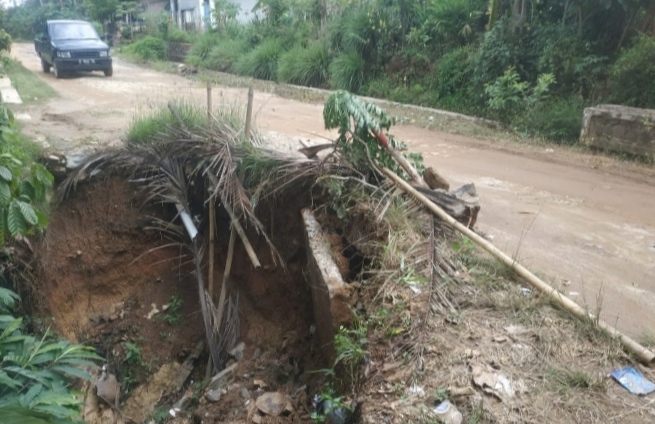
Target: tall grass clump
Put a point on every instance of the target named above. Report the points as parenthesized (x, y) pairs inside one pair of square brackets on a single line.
[(224, 55), (147, 48), (305, 65), (202, 46), (147, 127), (178, 36), (347, 72), (261, 62)]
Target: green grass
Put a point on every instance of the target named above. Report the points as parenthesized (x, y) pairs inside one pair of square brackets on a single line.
[(347, 72), (261, 62), (147, 48), (564, 380), (147, 127), (305, 65), (30, 87)]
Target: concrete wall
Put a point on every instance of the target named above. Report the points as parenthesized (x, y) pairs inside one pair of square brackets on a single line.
[(619, 129), (331, 296)]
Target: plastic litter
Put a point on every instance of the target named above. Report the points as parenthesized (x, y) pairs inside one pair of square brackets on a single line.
[(448, 413), (633, 381)]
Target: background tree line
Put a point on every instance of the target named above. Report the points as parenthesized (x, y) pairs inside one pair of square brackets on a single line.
[(532, 64)]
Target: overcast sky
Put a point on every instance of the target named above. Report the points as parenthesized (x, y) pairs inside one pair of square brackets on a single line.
[(8, 3)]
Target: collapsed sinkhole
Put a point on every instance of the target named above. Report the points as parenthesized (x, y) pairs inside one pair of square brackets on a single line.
[(101, 275)]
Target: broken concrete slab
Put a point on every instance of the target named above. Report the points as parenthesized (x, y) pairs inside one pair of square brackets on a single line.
[(331, 296), (10, 95), (619, 129), (5, 82)]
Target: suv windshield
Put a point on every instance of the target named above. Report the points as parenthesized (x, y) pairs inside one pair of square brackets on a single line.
[(72, 31)]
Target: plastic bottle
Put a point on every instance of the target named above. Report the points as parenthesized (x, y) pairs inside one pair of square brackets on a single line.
[(448, 413)]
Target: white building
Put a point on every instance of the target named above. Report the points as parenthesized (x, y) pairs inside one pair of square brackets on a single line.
[(192, 15)]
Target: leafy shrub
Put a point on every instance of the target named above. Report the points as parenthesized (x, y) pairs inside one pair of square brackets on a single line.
[(178, 36), (147, 48), (224, 55), (570, 58), (261, 62), (558, 120), (23, 187), (305, 66), (508, 95), (631, 77), (347, 72), (126, 32), (203, 45), (454, 89), (379, 87), (502, 49), (36, 372), (449, 22), (5, 41)]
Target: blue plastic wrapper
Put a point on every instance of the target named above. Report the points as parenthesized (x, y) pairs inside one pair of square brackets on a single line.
[(632, 380)]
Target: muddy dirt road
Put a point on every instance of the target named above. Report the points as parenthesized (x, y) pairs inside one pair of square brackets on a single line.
[(584, 222)]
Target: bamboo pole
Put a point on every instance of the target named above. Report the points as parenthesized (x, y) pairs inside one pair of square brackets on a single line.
[(249, 112), (242, 235), (212, 207), (209, 104), (643, 354)]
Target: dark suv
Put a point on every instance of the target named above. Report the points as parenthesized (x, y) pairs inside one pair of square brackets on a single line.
[(72, 46)]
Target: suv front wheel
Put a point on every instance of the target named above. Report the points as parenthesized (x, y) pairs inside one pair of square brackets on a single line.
[(109, 71), (45, 66)]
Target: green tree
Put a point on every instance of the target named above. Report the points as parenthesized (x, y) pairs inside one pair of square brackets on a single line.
[(101, 10)]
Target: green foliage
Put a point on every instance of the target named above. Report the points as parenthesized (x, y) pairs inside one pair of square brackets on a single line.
[(133, 353), (126, 32), (632, 75), (261, 62), (147, 48), (509, 96), (146, 128), (501, 49), (347, 72), (101, 10), (350, 347), (305, 65), (557, 119), (178, 36), (454, 74), (358, 122), (172, 313), (450, 23), (224, 55), (23, 187), (5, 41), (572, 60), (203, 45), (36, 374)]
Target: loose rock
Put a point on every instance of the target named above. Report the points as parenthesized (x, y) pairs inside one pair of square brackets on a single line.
[(272, 403), (213, 395)]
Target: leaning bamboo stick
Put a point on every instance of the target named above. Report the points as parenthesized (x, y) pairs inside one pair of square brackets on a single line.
[(643, 354), (242, 235)]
